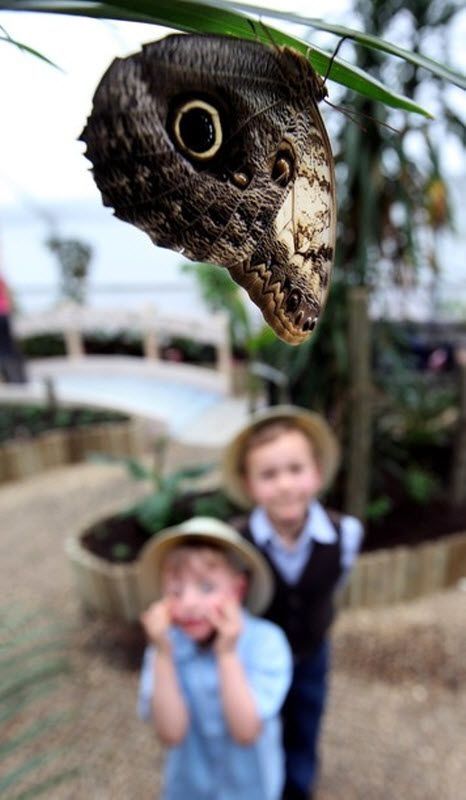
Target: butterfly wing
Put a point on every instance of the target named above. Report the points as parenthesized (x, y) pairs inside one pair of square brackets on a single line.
[(289, 273), (185, 138)]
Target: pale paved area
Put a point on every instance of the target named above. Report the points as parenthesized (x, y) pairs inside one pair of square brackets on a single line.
[(221, 410), (208, 429), (396, 722)]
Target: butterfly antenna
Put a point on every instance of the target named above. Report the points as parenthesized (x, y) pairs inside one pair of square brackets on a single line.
[(266, 31), (333, 57), (350, 114), (353, 114), (252, 25)]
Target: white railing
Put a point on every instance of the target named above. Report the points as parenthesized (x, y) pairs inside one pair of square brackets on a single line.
[(72, 321)]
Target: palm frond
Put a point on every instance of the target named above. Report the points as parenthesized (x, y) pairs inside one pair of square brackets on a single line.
[(34, 666)]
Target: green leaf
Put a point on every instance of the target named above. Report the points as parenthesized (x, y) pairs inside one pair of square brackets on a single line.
[(45, 786), (191, 17), (364, 39), (215, 505), (31, 668), (34, 731), (121, 551), (26, 49), (137, 471), (153, 512), (379, 508), (421, 485), (191, 473), (10, 709), (33, 763), (29, 677)]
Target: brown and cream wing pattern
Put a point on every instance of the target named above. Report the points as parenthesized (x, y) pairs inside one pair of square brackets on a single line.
[(215, 147)]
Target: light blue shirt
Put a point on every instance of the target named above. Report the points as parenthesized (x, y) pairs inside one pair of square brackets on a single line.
[(209, 764), (290, 561)]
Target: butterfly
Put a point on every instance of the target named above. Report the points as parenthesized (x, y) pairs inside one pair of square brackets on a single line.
[(215, 147)]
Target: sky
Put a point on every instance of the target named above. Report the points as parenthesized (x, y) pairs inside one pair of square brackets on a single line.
[(44, 176)]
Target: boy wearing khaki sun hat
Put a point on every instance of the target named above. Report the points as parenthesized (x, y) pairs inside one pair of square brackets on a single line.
[(276, 468), (214, 677)]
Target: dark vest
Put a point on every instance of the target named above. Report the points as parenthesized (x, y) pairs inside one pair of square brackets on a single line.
[(305, 610)]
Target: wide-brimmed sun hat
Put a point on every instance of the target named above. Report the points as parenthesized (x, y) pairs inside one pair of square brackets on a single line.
[(324, 442), (211, 531)]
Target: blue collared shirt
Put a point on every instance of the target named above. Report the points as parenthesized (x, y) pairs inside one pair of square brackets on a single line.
[(291, 560), (209, 764)]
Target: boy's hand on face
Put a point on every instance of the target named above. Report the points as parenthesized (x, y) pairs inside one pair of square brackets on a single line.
[(156, 622), (228, 623)]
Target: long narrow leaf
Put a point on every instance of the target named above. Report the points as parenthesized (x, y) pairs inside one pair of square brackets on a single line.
[(31, 677), (30, 50), (33, 651), (28, 766), (35, 730), (32, 667), (46, 785), (15, 704), (137, 471), (365, 39), (191, 473), (191, 16)]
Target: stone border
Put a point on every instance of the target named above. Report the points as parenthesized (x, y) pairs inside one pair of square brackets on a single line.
[(390, 576), (20, 459)]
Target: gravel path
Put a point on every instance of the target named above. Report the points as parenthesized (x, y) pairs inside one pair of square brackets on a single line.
[(396, 722)]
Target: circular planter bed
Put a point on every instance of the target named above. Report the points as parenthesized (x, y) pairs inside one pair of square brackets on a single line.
[(108, 561), (107, 558), (35, 438)]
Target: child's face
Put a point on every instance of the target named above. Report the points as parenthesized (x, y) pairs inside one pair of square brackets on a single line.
[(197, 584), (283, 477)]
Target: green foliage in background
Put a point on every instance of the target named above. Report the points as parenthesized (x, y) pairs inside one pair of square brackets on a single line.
[(220, 293), (393, 197), (29, 421), (318, 368), (414, 417), (73, 258), (172, 496), (43, 345), (158, 508)]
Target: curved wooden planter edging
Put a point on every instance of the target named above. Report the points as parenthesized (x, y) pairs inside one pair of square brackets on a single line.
[(397, 574), (53, 449), (382, 578), (111, 589), (118, 591)]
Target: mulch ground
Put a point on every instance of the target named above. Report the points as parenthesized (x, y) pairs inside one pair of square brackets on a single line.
[(396, 719)]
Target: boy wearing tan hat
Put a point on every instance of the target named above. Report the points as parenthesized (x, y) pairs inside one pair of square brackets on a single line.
[(276, 467), (214, 677)]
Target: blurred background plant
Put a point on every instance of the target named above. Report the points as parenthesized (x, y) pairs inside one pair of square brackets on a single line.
[(221, 293), (28, 421), (74, 259), (173, 496), (393, 194)]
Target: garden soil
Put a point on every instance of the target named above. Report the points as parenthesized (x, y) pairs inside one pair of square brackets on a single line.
[(396, 719)]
